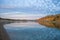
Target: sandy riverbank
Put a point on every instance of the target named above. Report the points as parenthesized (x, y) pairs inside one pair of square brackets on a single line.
[(3, 32)]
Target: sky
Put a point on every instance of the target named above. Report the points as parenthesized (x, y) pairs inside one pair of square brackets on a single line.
[(28, 9)]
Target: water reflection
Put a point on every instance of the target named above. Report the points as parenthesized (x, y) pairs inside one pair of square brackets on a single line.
[(50, 24), (22, 25), (31, 31)]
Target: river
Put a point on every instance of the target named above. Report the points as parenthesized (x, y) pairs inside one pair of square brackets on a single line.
[(31, 31)]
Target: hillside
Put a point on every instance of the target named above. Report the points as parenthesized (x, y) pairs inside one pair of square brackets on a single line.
[(50, 21)]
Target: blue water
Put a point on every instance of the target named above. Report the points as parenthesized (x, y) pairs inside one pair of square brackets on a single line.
[(31, 31)]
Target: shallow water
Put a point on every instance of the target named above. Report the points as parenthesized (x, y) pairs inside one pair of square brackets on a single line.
[(31, 31)]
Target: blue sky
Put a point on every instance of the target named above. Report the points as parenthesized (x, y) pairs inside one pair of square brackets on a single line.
[(33, 8)]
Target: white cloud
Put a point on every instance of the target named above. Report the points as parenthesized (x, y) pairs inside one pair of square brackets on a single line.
[(41, 5), (20, 15)]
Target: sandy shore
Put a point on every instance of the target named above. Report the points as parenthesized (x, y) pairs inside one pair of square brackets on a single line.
[(3, 33)]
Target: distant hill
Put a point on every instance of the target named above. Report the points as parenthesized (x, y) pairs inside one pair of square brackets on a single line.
[(15, 20)]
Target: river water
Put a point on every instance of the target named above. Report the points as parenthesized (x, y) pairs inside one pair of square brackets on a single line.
[(31, 31)]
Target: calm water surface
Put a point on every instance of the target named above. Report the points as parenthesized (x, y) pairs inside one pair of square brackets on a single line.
[(31, 31)]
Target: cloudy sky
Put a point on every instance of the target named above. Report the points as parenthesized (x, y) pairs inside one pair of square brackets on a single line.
[(28, 9)]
